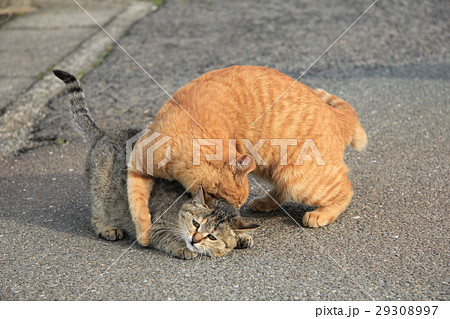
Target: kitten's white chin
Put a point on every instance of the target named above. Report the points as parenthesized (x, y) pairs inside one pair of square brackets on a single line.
[(193, 248)]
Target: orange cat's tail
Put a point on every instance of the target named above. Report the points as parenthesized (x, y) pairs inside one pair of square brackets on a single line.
[(359, 137)]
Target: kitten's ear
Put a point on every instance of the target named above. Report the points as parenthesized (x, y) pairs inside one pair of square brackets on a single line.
[(199, 198), (244, 164), (209, 200), (241, 226)]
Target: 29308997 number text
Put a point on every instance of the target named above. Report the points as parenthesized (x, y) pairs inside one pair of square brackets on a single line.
[(406, 310)]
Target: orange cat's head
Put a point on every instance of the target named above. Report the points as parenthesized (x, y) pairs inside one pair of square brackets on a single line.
[(229, 182)]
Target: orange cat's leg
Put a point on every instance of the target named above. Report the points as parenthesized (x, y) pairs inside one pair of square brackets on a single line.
[(268, 202), (139, 189), (331, 207)]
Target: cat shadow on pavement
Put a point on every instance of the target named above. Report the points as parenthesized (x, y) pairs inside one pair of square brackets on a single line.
[(54, 202), (60, 202), (287, 210)]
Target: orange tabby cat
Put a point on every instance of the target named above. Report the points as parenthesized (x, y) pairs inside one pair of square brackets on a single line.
[(226, 105)]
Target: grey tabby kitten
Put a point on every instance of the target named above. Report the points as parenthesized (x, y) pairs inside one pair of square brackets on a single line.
[(182, 226)]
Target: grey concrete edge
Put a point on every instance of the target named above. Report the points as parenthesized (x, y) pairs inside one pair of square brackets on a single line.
[(17, 124)]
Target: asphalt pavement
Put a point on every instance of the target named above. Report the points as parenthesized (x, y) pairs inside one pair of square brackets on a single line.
[(392, 243)]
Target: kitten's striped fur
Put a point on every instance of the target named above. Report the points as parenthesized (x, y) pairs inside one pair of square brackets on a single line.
[(82, 121), (173, 210)]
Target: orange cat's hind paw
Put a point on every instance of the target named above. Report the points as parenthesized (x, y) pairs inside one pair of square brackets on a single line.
[(314, 219), (262, 204)]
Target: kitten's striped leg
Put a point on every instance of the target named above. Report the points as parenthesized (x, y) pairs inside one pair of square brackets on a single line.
[(139, 188), (103, 211), (98, 221)]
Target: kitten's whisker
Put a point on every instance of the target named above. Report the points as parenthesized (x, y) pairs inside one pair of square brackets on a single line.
[(178, 230), (172, 230), (174, 227), (213, 259), (180, 236), (172, 223), (201, 257)]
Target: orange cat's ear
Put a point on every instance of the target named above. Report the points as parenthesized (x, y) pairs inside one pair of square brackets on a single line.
[(241, 226), (244, 164), (199, 198)]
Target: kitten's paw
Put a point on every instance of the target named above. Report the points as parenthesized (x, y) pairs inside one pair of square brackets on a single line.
[(143, 233), (262, 204), (185, 253), (244, 241), (111, 234), (313, 219)]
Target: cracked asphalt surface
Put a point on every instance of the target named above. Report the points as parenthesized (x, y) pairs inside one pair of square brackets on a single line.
[(392, 243)]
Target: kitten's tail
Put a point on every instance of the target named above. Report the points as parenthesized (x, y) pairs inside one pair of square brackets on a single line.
[(81, 120), (359, 137)]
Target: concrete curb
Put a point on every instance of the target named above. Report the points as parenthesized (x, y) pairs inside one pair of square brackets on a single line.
[(17, 124)]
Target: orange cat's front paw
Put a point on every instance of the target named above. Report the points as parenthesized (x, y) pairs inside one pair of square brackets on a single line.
[(262, 204), (313, 219), (143, 233)]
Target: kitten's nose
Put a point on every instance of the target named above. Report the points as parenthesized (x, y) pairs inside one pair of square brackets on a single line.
[(196, 238)]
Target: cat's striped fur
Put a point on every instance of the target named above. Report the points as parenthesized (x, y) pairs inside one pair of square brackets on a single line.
[(234, 103), (359, 138), (82, 121), (174, 212)]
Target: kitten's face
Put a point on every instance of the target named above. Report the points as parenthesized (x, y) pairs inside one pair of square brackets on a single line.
[(207, 231)]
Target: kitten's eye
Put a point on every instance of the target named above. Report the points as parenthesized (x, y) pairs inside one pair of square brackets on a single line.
[(210, 236), (195, 223)]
